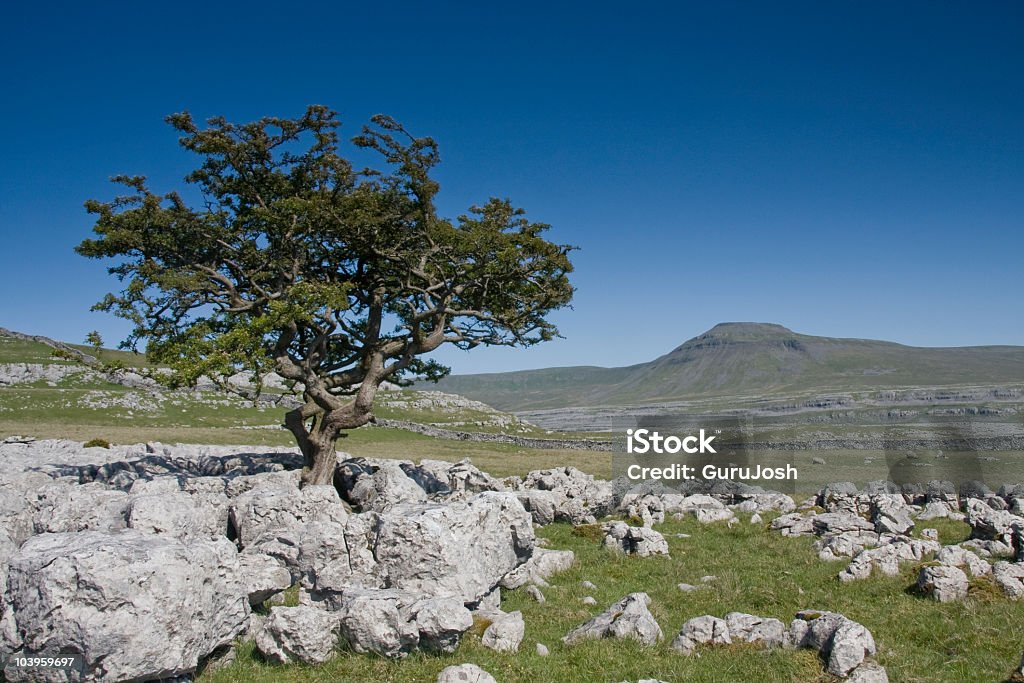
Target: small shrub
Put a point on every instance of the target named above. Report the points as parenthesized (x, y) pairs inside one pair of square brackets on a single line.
[(97, 443), (592, 532)]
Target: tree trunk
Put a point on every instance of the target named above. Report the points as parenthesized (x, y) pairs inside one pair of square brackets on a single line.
[(321, 458), (317, 440)]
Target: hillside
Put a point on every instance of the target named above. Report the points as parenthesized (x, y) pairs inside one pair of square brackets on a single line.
[(744, 359)]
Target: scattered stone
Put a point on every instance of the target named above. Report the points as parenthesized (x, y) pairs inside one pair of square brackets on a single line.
[(505, 633), (869, 672), (632, 540), (686, 587), (588, 585), (752, 629), (706, 630), (298, 634), (542, 565), (542, 650), (708, 579), (464, 673), (755, 519), (930, 534), (817, 461), (628, 618), (958, 556), (588, 600), (942, 583), (535, 594), (886, 559), (843, 644), (1010, 577)]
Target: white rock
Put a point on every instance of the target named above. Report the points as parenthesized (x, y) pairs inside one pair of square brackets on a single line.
[(505, 633), (136, 606), (1010, 577), (298, 634), (464, 673), (943, 583), (700, 631), (628, 618), (633, 540)]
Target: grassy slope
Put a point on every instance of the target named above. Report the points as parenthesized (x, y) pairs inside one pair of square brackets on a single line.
[(758, 571), (748, 359)]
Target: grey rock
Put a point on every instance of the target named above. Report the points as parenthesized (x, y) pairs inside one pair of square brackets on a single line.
[(992, 525), (505, 633), (958, 556), (1010, 577), (136, 606), (392, 623), (753, 629), (263, 576), (686, 587), (842, 643), (464, 673), (892, 515), (930, 534), (588, 585), (269, 508), (938, 509), (180, 514), (845, 544), (462, 549), (705, 630), (794, 524), (388, 486), (942, 583), (628, 618), (632, 540), (536, 594), (886, 558), (839, 522), (588, 600), (542, 565), (869, 672), (542, 650), (298, 634), (63, 508)]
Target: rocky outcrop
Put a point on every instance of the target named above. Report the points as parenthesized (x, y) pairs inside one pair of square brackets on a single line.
[(136, 606), (628, 618), (634, 540), (505, 633), (942, 583), (843, 644)]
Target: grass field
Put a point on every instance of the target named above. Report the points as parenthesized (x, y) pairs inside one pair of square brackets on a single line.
[(758, 571)]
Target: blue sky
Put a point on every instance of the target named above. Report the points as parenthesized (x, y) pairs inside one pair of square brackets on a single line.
[(844, 169)]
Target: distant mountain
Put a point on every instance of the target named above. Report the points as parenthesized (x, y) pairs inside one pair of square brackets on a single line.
[(745, 359)]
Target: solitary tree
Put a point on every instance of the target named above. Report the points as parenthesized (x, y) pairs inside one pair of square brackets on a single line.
[(338, 279)]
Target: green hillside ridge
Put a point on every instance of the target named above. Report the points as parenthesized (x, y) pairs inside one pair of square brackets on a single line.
[(742, 359)]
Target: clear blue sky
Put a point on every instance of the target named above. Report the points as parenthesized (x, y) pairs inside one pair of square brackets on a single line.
[(841, 168)]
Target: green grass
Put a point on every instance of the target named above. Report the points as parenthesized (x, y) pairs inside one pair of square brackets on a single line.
[(758, 571)]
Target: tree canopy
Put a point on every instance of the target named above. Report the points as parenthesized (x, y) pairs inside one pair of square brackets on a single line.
[(337, 278)]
